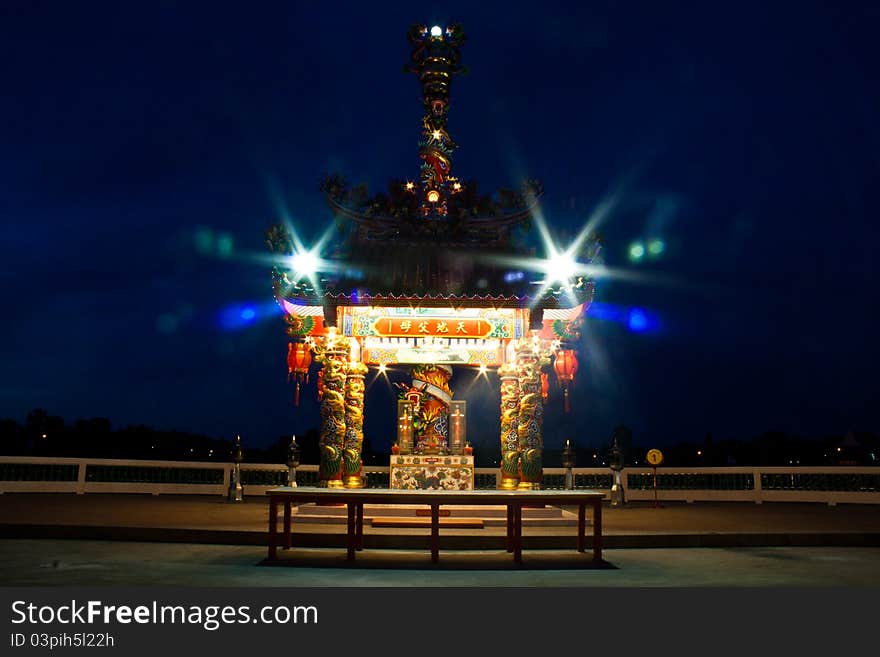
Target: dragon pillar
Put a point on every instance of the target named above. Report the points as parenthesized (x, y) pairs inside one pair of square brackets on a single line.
[(530, 418), (509, 421), (334, 359), (352, 461)]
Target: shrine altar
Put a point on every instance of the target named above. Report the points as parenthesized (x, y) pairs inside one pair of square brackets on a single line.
[(432, 472)]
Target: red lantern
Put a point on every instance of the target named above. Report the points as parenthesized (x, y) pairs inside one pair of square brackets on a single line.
[(565, 366), (299, 357)]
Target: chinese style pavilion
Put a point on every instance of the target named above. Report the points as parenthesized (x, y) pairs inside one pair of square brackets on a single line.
[(423, 277)]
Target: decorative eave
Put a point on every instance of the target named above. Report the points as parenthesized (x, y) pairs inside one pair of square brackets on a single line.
[(501, 221), (489, 230), (559, 298)]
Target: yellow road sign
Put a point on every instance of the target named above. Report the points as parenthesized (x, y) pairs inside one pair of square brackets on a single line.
[(654, 456)]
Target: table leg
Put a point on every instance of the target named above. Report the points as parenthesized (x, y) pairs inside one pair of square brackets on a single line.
[(582, 524), (517, 533), (273, 527), (351, 531), (287, 524), (359, 528), (510, 528), (597, 530), (435, 533)]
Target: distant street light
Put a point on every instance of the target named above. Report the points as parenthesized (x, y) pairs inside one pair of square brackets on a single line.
[(292, 461), (568, 464), (616, 463), (236, 491)]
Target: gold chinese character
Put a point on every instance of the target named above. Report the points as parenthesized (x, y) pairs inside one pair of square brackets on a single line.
[(460, 328), (441, 328), (405, 326), (423, 327)]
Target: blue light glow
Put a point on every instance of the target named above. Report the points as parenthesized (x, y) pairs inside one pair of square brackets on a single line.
[(640, 320), (637, 320), (237, 316), (605, 311)]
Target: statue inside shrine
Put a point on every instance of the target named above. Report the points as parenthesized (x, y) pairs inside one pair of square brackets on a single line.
[(430, 450), (429, 398)]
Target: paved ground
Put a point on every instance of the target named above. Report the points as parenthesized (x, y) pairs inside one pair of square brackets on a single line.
[(212, 520), (114, 563), (183, 540)]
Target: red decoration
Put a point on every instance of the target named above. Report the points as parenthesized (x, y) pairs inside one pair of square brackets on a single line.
[(299, 357), (545, 386), (566, 366), (414, 396)]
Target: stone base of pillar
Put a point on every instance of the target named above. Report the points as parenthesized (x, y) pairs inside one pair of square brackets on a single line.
[(508, 483), (529, 485), (618, 497), (354, 481), (331, 483)]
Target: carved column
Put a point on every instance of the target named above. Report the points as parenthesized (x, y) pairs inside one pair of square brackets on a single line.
[(334, 359), (352, 461), (509, 422), (530, 419), (432, 431)]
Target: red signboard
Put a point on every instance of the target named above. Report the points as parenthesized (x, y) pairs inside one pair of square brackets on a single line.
[(438, 327)]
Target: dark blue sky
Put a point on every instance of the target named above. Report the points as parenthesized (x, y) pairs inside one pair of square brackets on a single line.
[(141, 146)]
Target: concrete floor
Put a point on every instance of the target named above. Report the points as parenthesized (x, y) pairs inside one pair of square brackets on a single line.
[(25, 562), (210, 519), (117, 540)]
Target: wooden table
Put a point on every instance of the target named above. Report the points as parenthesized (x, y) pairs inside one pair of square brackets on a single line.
[(355, 499)]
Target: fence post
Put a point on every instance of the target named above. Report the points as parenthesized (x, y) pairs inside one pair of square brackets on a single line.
[(756, 479), (81, 477), (226, 477)]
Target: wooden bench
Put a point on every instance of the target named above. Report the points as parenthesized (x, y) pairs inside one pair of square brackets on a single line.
[(355, 499)]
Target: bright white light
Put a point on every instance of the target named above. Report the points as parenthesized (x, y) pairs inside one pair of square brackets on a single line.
[(561, 267), (382, 368), (304, 263), (483, 368), (436, 31)]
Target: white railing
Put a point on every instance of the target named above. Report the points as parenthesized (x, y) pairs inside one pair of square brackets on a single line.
[(824, 484), (827, 485), (218, 476)]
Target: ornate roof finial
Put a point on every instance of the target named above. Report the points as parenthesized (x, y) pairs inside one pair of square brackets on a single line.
[(435, 60)]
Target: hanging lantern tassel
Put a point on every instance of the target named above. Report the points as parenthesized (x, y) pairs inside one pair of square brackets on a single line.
[(565, 366), (545, 387), (299, 357)]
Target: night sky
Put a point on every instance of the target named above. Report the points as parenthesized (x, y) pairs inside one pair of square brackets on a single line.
[(146, 147)]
